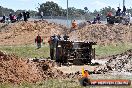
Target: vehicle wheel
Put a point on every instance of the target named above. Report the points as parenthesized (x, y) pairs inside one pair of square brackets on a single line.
[(85, 81)]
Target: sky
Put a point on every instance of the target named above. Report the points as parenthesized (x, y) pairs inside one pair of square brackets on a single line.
[(79, 4)]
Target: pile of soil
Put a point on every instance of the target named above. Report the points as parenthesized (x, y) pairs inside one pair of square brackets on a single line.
[(104, 34), (17, 70), (21, 33), (25, 32), (120, 63)]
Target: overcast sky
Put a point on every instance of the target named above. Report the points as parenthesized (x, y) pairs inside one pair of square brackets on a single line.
[(80, 4)]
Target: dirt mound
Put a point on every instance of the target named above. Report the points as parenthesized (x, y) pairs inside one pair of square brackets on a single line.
[(121, 63), (25, 32), (104, 34), (17, 70)]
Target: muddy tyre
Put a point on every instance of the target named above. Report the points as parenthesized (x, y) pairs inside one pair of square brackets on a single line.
[(85, 81)]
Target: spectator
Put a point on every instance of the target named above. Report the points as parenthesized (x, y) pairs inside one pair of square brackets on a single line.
[(11, 17), (98, 18), (65, 37), (118, 12), (94, 21), (42, 14), (109, 14), (25, 16), (14, 18), (3, 19), (74, 25), (19, 16), (38, 40), (28, 15), (124, 10), (51, 44), (59, 37)]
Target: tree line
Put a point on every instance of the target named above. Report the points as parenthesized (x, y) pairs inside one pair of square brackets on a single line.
[(53, 9), (7, 11)]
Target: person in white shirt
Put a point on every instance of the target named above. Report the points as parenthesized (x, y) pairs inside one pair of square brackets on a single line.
[(42, 14)]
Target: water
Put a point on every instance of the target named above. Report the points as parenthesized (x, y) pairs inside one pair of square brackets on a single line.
[(64, 22)]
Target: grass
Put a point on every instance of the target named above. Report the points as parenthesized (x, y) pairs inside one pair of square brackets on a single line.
[(103, 51), (29, 51), (56, 83)]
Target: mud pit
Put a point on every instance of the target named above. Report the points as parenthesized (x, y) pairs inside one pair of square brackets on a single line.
[(118, 64)]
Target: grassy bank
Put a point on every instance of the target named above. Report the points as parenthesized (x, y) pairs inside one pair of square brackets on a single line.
[(55, 83), (102, 51), (31, 51)]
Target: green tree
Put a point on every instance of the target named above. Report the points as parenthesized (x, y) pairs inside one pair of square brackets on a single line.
[(5, 11), (50, 8)]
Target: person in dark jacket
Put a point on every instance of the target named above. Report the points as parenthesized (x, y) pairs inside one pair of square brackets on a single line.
[(124, 10), (11, 17), (25, 16), (38, 40), (118, 12), (98, 18), (3, 19), (28, 15), (65, 37), (19, 16)]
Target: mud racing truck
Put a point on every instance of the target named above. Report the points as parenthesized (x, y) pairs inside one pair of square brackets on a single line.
[(75, 52)]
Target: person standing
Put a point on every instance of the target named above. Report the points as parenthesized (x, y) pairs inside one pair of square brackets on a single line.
[(38, 40), (25, 16), (42, 14), (74, 25), (98, 18), (124, 11), (3, 19), (28, 15), (11, 17), (51, 44), (118, 12), (19, 16)]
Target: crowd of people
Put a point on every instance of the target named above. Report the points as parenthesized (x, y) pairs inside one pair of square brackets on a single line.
[(119, 13), (13, 18)]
